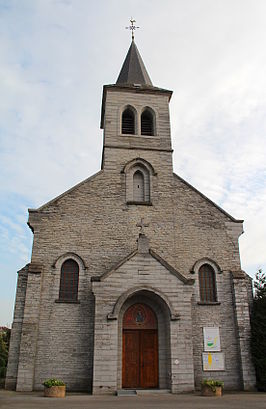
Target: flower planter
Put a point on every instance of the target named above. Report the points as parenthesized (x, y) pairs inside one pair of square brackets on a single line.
[(55, 392), (207, 390)]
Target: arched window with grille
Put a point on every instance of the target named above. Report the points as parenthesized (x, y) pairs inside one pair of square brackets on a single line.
[(138, 187), (207, 284), (69, 281), (128, 121), (147, 122)]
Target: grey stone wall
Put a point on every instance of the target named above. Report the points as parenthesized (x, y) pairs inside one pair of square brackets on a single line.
[(13, 356), (29, 334), (242, 319), (65, 343), (220, 315)]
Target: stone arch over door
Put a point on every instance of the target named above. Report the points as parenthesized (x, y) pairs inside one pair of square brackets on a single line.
[(161, 311)]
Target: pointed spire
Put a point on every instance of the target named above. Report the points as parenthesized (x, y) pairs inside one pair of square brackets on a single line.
[(133, 70)]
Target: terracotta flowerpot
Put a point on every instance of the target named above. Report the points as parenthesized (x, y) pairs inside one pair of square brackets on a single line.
[(206, 390), (55, 392)]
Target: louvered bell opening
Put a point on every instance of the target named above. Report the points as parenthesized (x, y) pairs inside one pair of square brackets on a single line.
[(147, 124), (128, 122)]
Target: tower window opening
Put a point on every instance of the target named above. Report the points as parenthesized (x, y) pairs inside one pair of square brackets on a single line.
[(128, 122), (147, 127), (138, 186)]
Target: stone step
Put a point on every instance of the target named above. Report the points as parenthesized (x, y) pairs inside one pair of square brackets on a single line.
[(151, 391), (134, 392), (126, 392)]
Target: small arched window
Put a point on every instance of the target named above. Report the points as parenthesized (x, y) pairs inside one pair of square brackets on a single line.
[(147, 125), (207, 284), (138, 187), (138, 178), (69, 281), (128, 122)]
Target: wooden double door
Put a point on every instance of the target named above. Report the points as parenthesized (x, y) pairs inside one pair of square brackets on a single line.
[(140, 358)]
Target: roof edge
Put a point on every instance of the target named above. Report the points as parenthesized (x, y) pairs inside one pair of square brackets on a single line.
[(187, 281), (119, 264), (172, 270), (209, 200), (30, 210)]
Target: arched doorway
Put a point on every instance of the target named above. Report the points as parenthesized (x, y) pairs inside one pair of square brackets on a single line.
[(140, 347)]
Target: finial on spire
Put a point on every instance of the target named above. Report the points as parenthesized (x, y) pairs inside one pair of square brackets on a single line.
[(132, 27)]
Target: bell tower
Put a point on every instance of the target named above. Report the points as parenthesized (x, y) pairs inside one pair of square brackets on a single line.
[(135, 118)]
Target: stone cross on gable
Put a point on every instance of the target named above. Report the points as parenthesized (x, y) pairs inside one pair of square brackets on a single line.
[(142, 225)]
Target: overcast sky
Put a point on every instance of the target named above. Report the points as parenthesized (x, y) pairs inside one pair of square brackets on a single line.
[(55, 56)]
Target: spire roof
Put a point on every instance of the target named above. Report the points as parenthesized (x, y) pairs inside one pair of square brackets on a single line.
[(133, 70)]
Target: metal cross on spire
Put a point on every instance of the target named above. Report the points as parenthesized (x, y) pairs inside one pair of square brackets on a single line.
[(132, 27), (142, 225)]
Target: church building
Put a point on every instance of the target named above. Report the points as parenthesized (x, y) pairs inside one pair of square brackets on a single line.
[(135, 279)]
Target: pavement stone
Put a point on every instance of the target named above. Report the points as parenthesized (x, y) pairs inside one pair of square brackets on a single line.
[(35, 400)]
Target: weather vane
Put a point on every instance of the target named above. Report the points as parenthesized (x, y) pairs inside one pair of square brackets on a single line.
[(132, 27)]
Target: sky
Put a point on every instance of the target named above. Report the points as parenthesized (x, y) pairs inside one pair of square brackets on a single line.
[(55, 57)]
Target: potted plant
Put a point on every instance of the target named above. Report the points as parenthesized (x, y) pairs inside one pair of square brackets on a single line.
[(211, 387), (54, 388)]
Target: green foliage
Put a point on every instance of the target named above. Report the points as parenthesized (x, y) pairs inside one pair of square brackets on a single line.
[(48, 383), (260, 285), (212, 383), (258, 330), (5, 332), (4, 344)]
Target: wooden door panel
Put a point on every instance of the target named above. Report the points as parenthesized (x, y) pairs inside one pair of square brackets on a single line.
[(131, 368), (140, 359), (148, 359)]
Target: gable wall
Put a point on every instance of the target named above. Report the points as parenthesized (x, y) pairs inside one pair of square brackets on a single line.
[(95, 217)]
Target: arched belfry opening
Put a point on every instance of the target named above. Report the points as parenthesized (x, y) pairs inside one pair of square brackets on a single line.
[(147, 122), (144, 327), (128, 121)]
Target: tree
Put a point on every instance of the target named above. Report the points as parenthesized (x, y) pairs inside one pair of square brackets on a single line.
[(4, 344), (258, 330)]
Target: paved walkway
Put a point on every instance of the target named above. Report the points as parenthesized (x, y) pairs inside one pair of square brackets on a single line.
[(35, 400)]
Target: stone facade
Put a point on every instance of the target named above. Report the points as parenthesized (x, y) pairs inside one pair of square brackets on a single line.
[(95, 224)]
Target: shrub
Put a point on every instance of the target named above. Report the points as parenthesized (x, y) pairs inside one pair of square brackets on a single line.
[(212, 383), (48, 383), (258, 330), (3, 355)]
